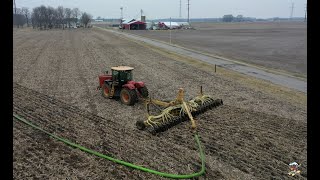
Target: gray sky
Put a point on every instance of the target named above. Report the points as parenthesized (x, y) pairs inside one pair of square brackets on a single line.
[(154, 9)]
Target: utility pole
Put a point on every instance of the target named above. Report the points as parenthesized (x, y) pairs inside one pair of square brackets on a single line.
[(180, 10), (15, 7), (121, 8), (170, 30), (305, 14), (291, 11), (188, 10), (141, 12)]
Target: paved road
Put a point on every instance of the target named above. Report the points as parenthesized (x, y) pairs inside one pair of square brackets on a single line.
[(283, 80)]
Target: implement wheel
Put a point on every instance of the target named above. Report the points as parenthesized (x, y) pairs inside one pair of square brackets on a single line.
[(105, 91), (140, 125), (128, 96)]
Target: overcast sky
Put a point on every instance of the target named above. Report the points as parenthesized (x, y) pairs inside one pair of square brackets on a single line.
[(154, 9)]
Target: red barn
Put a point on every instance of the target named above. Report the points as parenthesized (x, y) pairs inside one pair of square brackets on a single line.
[(134, 25)]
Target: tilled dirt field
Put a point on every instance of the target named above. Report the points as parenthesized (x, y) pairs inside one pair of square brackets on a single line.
[(278, 45), (254, 135)]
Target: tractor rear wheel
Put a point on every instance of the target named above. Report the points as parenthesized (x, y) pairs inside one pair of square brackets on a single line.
[(144, 92), (128, 96), (105, 91)]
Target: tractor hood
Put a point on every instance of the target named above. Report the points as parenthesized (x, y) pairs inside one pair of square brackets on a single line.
[(137, 84)]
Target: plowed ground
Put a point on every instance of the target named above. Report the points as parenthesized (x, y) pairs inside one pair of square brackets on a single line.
[(254, 135)]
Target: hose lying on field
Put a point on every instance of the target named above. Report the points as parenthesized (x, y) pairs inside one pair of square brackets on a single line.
[(168, 175)]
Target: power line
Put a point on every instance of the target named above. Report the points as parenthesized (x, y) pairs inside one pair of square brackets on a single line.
[(137, 16)]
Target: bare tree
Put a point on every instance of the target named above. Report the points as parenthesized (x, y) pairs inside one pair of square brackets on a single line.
[(85, 18), (60, 15), (18, 11), (26, 13), (35, 17), (43, 16), (228, 18), (239, 18), (75, 14), (52, 17), (49, 17), (19, 20), (68, 15)]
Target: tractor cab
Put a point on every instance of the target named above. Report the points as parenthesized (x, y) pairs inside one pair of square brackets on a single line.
[(121, 74)]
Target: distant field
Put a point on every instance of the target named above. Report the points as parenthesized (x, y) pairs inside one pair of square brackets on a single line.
[(277, 45)]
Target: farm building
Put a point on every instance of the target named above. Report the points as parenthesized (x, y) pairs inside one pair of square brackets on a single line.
[(167, 25), (134, 25), (173, 25), (183, 23), (149, 25)]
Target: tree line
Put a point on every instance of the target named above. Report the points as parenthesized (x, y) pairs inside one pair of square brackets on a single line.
[(21, 16), (48, 17), (231, 18)]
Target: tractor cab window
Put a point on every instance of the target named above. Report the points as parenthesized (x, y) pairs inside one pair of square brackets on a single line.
[(129, 76), (125, 76), (115, 75)]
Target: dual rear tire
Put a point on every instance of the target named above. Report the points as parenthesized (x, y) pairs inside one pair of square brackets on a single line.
[(127, 96), (130, 96), (144, 91)]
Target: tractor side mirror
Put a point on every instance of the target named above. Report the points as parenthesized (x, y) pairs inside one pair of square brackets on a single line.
[(107, 72)]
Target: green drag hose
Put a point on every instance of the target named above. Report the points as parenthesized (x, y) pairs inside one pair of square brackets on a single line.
[(174, 176)]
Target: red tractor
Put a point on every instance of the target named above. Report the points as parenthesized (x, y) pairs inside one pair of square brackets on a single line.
[(120, 84)]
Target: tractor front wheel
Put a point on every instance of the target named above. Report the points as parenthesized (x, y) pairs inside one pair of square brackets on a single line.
[(105, 91), (128, 96)]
